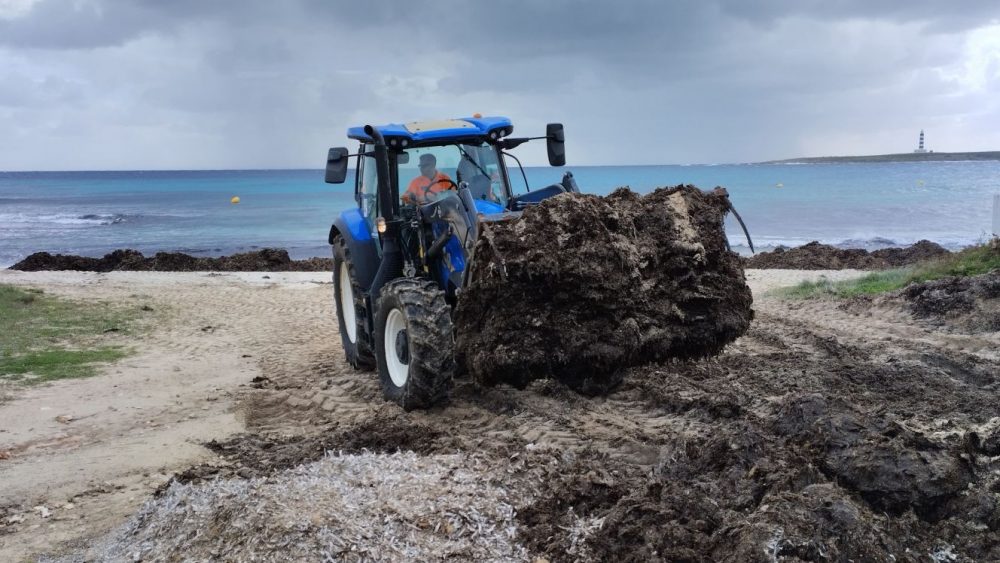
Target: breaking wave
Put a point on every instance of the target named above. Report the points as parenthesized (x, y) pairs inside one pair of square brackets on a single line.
[(65, 219)]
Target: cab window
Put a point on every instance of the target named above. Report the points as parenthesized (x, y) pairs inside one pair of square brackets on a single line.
[(430, 172), (425, 173), (368, 188), (481, 170)]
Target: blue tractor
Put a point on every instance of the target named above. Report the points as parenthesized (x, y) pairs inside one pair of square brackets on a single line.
[(424, 190)]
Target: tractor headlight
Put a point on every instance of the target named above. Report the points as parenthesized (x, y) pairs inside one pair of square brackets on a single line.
[(404, 142), (380, 224), (393, 142)]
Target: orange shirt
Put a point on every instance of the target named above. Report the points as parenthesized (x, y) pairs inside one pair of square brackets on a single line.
[(422, 187)]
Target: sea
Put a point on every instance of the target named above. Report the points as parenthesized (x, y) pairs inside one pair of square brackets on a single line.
[(857, 205)]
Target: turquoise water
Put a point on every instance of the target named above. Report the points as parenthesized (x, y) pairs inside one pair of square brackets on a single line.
[(862, 205)]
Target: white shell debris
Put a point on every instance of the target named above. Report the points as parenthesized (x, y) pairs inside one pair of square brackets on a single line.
[(580, 531), (368, 506)]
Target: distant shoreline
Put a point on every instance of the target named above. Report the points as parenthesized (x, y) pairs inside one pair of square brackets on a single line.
[(898, 157), (901, 157)]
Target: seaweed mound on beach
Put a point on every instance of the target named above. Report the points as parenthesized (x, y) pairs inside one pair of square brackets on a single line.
[(263, 260), (816, 256), (818, 480), (971, 303), (920, 251), (581, 286)]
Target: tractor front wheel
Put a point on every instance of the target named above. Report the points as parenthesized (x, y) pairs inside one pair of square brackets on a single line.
[(414, 343)]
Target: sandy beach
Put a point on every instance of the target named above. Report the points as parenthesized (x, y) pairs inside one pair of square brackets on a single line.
[(258, 354), (562, 282), (148, 415)]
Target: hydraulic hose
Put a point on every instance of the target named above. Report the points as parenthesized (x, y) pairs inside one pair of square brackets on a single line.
[(729, 204), (742, 224)]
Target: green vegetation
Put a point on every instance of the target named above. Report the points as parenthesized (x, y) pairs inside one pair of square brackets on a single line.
[(47, 365), (44, 338), (969, 262)]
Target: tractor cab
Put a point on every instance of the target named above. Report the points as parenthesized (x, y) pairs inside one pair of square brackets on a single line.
[(424, 191), (420, 175), (463, 151)]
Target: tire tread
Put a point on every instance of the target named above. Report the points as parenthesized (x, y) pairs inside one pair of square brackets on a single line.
[(431, 340)]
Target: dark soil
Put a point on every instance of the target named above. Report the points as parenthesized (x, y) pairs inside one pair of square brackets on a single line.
[(816, 256), (581, 287), (264, 260)]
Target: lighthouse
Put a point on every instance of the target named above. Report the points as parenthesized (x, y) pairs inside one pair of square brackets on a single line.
[(920, 144)]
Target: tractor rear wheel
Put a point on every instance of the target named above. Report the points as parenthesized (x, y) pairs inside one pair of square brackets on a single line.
[(350, 308), (414, 343)]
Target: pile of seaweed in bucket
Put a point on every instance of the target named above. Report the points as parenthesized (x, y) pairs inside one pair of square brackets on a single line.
[(581, 286)]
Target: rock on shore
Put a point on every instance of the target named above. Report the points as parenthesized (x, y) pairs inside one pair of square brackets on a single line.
[(264, 260)]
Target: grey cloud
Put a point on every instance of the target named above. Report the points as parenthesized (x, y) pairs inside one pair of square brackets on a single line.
[(64, 25), (86, 24), (269, 84), (559, 26)]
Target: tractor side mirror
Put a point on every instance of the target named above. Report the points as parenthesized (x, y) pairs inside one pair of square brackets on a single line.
[(336, 165), (556, 144)]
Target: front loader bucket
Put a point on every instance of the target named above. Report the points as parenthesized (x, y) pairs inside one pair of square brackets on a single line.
[(581, 287)]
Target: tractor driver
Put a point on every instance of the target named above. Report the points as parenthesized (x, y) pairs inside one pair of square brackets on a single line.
[(425, 187)]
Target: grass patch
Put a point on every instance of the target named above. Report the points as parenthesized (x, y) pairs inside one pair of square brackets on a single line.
[(49, 365), (972, 261), (45, 338)]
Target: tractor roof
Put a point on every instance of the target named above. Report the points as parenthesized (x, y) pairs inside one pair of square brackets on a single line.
[(439, 131)]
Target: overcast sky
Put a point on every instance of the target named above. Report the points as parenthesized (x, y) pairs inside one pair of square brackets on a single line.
[(151, 84)]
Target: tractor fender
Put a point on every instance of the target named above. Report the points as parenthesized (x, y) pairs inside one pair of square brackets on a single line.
[(351, 225)]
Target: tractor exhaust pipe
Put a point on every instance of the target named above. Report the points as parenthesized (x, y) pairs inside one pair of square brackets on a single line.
[(387, 203), (391, 266)]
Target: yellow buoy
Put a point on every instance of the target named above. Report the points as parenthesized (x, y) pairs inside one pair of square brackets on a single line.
[(236, 199)]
